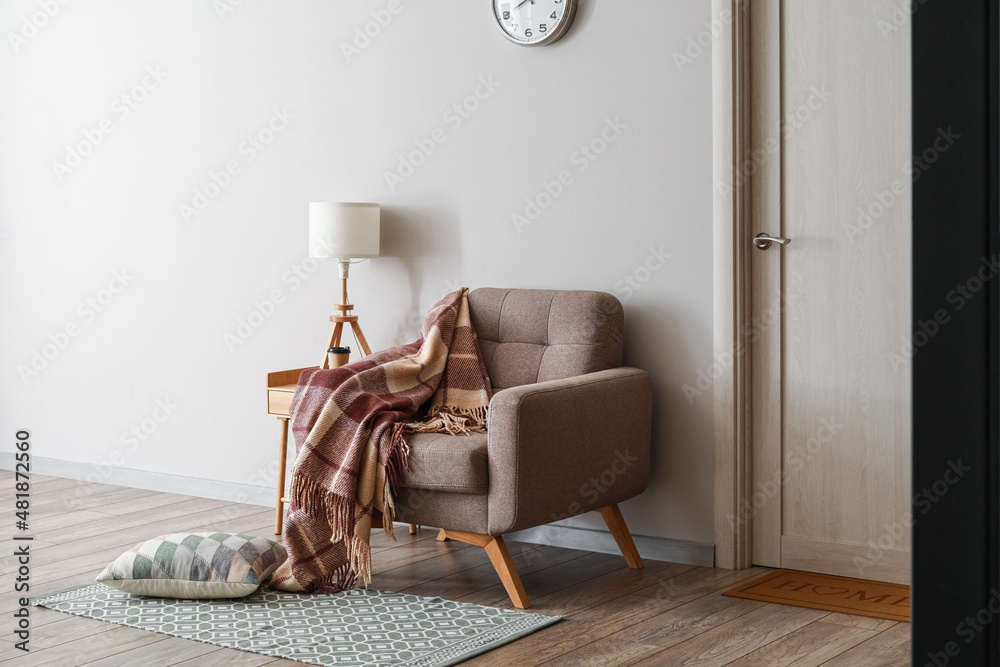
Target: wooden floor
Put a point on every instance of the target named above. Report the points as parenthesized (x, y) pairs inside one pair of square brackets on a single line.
[(666, 614)]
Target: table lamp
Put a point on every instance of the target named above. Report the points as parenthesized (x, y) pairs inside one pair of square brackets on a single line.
[(349, 233)]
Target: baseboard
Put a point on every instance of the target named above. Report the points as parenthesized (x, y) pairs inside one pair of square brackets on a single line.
[(653, 548), (151, 481)]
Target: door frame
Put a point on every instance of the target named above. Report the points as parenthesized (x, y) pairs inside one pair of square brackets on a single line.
[(732, 219)]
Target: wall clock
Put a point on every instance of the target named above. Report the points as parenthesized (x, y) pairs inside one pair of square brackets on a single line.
[(534, 22)]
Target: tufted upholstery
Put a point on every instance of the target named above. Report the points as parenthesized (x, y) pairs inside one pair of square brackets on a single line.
[(530, 336)]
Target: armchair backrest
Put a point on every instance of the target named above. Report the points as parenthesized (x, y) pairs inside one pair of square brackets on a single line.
[(530, 336)]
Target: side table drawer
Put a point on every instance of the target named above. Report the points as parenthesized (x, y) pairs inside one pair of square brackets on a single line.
[(279, 401)]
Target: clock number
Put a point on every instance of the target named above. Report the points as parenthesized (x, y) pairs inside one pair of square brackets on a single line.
[(541, 22)]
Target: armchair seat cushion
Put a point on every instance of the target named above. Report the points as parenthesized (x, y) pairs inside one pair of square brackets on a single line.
[(452, 463)]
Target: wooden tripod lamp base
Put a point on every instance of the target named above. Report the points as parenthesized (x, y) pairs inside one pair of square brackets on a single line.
[(346, 316)]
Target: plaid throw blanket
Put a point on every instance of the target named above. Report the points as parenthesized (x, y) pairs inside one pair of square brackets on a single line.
[(349, 425)]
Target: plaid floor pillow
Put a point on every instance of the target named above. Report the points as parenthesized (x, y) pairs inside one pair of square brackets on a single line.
[(195, 566)]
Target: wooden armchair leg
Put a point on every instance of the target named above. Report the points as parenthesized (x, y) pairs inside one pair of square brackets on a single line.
[(496, 549), (504, 565), (616, 524), (413, 529)]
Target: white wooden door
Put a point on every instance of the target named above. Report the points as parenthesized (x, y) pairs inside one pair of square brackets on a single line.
[(831, 371)]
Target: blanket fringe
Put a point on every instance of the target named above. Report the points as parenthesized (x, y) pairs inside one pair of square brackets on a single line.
[(454, 421), (317, 500), (359, 559), (388, 510), (397, 460)]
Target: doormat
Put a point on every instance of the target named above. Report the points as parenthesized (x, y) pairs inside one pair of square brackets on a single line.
[(828, 593), (355, 627)]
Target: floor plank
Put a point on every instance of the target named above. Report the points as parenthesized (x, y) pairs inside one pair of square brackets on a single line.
[(889, 648), (168, 652), (809, 646), (736, 638), (80, 500), (94, 647), (64, 629), (862, 622), (227, 657)]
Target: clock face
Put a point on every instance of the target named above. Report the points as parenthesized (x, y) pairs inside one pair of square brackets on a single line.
[(534, 22)]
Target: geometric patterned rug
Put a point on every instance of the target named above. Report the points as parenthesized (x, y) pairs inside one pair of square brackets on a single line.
[(356, 627)]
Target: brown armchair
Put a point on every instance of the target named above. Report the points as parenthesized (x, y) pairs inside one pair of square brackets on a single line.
[(569, 428)]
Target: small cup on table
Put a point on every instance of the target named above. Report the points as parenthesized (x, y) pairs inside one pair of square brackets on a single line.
[(338, 356)]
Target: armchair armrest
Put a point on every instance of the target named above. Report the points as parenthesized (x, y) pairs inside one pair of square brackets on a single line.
[(564, 447)]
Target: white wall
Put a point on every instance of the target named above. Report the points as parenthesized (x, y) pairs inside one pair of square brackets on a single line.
[(222, 76)]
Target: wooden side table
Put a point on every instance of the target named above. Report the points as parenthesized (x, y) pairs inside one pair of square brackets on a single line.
[(280, 389)]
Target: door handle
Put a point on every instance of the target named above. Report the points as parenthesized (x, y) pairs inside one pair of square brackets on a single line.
[(764, 240)]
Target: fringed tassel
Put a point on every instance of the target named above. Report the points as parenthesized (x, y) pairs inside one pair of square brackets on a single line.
[(359, 558), (340, 516), (316, 500), (312, 497), (388, 510), (396, 462), (397, 458), (454, 421)]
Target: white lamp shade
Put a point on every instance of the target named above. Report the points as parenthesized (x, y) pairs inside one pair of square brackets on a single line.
[(343, 230)]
